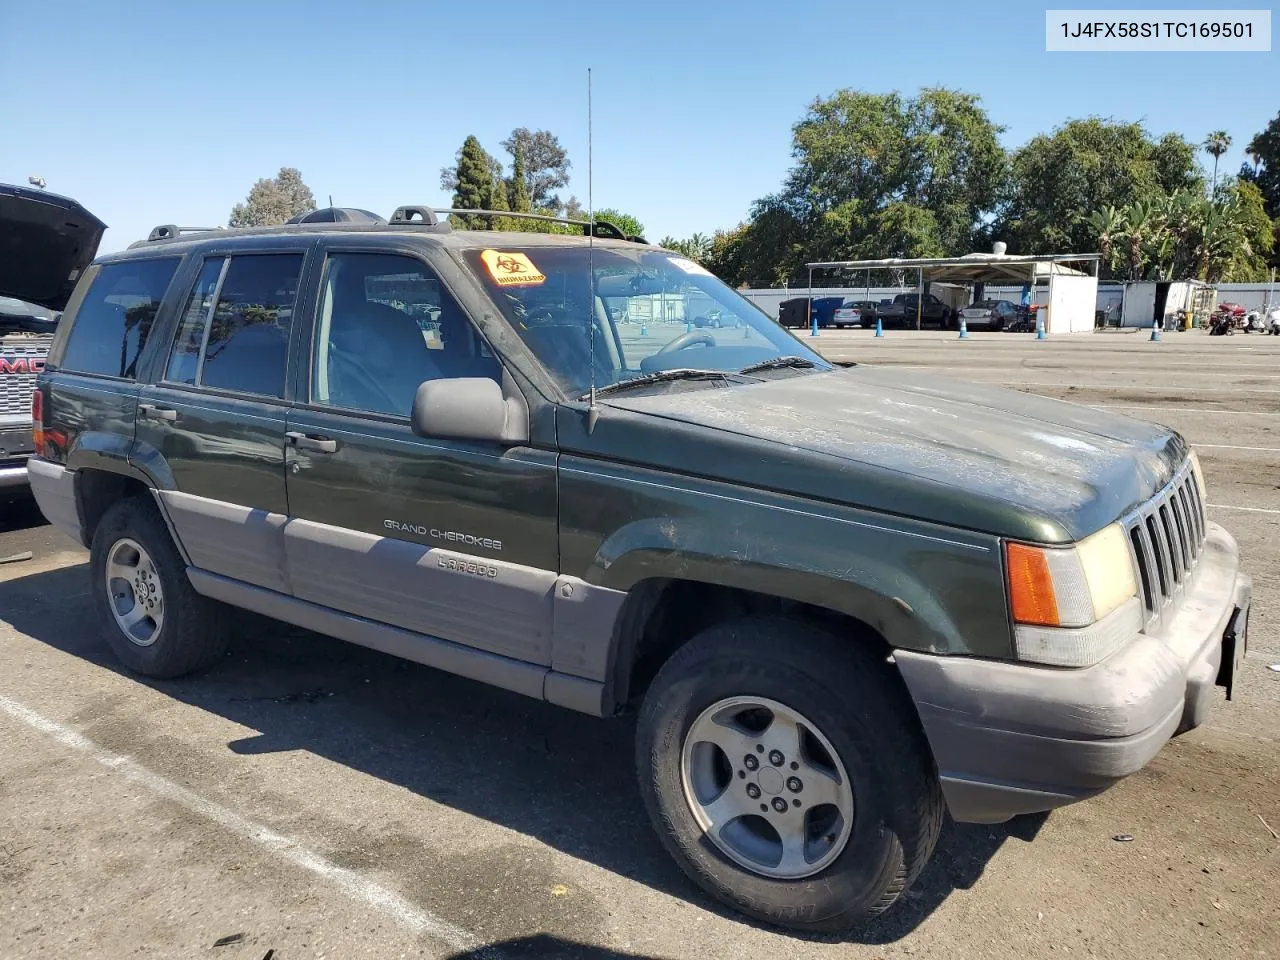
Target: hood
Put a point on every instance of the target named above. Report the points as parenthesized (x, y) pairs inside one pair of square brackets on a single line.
[(1061, 470), (46, 241)]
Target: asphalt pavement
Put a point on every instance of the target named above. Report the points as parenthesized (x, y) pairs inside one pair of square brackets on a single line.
[(316, 799)]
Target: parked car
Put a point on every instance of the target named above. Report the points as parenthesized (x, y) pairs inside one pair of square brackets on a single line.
[(835, 620), (855, 313), (47, 242), (993, 314), (799, 311), (902, 312), (715, 319)]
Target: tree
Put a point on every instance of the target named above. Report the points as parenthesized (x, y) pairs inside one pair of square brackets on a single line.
[(698, 247), (1216, 144), (449, 175), (473, 179), (1223, 238), (938, 152), (623, 221), (546, 165), (1108, 224), (521, 202), (1084, 166), (874, 175), (274, 201)]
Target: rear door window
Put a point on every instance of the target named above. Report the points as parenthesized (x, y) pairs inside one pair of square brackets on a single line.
[(115, 319), (235, 327)]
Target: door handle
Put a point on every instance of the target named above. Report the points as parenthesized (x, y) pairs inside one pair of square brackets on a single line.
[(308, 442), (150, 411)]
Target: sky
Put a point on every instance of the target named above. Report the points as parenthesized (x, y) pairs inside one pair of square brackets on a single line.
[(152, 112)]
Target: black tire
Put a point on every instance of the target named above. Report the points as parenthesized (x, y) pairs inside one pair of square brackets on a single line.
[(193, 632), (861, 708)]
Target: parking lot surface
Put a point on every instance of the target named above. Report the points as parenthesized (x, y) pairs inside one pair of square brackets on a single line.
[(317, 799)]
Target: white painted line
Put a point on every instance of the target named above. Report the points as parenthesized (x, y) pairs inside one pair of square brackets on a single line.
[(1189, 409), (1227, 506), (1232, 446), (348, 881), (1121, 386)]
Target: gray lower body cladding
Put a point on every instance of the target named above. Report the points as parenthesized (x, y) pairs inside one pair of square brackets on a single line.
[(519, 676), (1010, 738), (54, 488)]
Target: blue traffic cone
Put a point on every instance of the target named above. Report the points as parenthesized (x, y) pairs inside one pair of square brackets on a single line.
[(688, 326), (1155, 331), (964, 330), (1040, 328), (644, 330), (879, 327)]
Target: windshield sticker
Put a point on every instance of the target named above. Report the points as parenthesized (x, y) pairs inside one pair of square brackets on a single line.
[(689, 266), (512, 269)]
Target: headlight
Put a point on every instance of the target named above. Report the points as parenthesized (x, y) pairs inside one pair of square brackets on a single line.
[(1073, 606)]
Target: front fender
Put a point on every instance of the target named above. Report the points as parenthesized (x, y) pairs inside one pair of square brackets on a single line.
[(923, 587)]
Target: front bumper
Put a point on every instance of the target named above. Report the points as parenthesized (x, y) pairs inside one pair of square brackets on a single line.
[(1011, 738)]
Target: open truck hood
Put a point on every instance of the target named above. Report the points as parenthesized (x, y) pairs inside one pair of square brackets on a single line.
[(46, 241), (1077, 467)]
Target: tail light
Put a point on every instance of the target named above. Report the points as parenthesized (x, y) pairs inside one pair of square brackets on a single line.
[(37, 420)]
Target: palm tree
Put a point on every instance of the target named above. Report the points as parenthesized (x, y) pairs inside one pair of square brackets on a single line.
[(1109, 225), (1216, 144), (1141, 224), (1251, 151)]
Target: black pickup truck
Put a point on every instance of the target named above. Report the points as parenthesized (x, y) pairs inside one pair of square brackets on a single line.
[(902, 312)]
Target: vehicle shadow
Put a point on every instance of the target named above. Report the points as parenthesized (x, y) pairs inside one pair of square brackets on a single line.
[(544, 946), (18, 511), (547, 772)]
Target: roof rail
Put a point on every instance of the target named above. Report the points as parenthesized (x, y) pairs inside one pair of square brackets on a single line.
[(413, 213), (603, 227), (168, 231)]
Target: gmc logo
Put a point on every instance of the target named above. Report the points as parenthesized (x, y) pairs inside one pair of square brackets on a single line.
[(21, 364)]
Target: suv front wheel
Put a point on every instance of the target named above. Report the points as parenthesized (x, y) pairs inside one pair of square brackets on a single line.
[(154, 622), (785, 771)]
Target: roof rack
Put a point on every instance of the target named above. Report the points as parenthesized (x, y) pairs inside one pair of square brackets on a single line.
[(603, 227), (168, 231)]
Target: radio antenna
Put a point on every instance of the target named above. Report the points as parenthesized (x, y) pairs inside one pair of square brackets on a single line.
[(592, 412)]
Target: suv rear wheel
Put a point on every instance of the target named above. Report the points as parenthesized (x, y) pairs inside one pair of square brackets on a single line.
[(154, 622), (786, 773)]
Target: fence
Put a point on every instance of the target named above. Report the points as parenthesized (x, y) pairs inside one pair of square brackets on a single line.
[(1251, 296)]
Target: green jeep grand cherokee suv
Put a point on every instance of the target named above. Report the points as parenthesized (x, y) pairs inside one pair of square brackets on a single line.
[(843, 601)]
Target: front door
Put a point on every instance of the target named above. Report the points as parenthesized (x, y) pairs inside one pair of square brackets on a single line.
[(452, 539), (211, 430)]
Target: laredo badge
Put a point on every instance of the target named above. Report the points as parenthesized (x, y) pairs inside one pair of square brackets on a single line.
[(512, 269)]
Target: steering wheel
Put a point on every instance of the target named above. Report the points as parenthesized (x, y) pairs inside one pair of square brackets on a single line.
[(691, 339)]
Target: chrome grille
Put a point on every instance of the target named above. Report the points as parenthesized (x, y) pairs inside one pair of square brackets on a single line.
[(1167, 537), (16, 388)]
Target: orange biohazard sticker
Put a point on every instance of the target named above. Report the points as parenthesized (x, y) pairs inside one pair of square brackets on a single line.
[(512, 269)]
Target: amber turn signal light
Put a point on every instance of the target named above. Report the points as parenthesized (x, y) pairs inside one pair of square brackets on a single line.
[(1031, 592)]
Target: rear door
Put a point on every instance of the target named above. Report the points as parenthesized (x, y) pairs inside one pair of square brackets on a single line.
[(97, 355), (453, 539), (211, 430)]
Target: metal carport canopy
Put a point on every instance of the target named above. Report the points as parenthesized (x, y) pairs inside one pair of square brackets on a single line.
[(976, 266)]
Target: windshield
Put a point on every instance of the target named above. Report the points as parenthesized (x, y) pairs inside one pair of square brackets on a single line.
[(654, 311)]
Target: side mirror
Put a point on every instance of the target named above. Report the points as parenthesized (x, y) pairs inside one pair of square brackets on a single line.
[(468, 408)]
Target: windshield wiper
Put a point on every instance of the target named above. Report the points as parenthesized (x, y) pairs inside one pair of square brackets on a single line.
[(679, 373), (777, 362)]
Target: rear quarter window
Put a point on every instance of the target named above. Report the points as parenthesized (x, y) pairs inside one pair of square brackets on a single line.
[(115, 317)]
